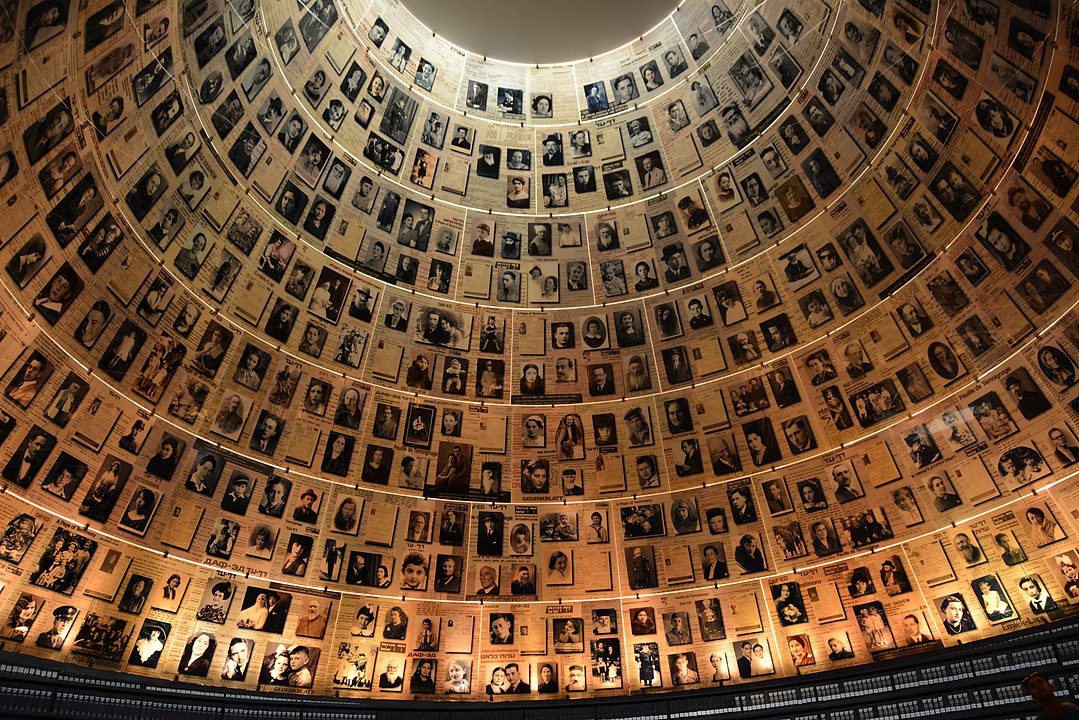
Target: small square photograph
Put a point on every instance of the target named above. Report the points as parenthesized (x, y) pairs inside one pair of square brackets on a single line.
[(1042, 525), (625, 89), (105, 637), (975, 336), (744, 347), (750, 79), (798, 267), (140, 510), (816, 309), (877, 402), (914, 382), (971, 266), (542, 106), (596, 97), (510, 101), (1022, 465), (777, 497), (953, 427), (425, 74), (568, 635), (995, 421), (1043, 286)]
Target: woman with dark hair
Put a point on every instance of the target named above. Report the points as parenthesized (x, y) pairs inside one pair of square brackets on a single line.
[(211, 87), (943, 361), (569, 437), (558, 568), (824, 540), (296, 560), (1003, 241), (279, 325), (145, 193), (199, 479), (423, 676), (197, 655), (1056, 366), (860, 583), (338, 455), (801, 652), (548, 681), (944, 498), (812, 495), (994, 118), (497, 686), (419, 373), (645, 281), (642, 623), (531, 381), (397, 626), (22, 617), (163, 465), (138, 510), (541, 106), (217, 609), (1044, 528)]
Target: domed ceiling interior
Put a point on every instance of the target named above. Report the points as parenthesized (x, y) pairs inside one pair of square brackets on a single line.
[(558, 31), (339, 358)]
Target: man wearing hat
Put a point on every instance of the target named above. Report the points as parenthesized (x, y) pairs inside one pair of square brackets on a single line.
[(396, 319), (531, 382), (487, 165), (511, 246), (552, 150), (694, 215), (238, 496), (62, 618), (481, 244), (796, 269), (359, 308), (675, 262), (305, 512)]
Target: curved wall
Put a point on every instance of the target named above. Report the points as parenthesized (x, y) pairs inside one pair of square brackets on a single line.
[(338, 358)]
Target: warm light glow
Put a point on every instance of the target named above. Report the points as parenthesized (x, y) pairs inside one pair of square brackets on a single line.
[(340, 359)]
